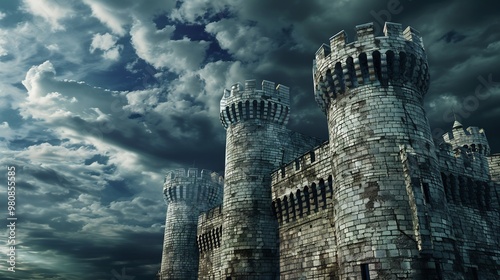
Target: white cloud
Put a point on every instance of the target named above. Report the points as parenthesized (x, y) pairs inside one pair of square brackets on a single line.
[(51, 11), (107, 43), (53, 47), (158, 49), (118, 15), (142, 101), (103, 42), (51, 99), (194, 11), (246, 43), (112, 18)]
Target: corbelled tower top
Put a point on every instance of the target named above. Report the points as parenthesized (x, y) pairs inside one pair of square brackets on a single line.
[(472, 139), (395, 59), (197, 187), (242, 103)]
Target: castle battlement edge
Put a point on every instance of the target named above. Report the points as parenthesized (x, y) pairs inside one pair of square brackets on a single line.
[(380, 199)]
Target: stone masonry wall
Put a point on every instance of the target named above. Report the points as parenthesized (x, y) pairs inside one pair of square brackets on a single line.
[(372, 93), (188, 194), (209, 238), (494, 164), (376, 201), (255, 122), (473, 205), (302, 203)]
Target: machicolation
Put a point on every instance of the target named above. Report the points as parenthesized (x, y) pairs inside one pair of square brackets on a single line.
[(378, 200)]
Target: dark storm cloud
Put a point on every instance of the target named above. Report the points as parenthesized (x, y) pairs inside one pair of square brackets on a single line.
[(91, 159)]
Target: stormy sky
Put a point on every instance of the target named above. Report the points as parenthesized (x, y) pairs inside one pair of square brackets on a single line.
[(99, 98)]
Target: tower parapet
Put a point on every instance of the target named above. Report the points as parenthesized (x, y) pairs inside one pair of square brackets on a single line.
[(256, 137), (473, 139), (187, 195), (395, 59), (242, 103), (385, 79), (202, 189)]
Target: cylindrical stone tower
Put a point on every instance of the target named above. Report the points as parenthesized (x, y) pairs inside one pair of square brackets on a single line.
[(254, 120), (372, 93), (187, 195)]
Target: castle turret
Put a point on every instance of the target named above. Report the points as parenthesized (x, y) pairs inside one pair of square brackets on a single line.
[(187, 195), (472, 139), (386, 176), (254, 120)]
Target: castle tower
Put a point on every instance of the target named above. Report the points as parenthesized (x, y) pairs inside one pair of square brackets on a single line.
[(187, 195), (386, 176), (254, 120), (472, 139), (472, 142)]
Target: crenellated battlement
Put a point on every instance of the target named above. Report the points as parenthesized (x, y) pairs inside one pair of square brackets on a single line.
[(473, 139), (193, 186), (460, 160), (241, 103), (299, 164), (397, 58)]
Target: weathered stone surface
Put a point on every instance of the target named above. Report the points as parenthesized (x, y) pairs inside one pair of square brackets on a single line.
[(378, 200), (187, 195)]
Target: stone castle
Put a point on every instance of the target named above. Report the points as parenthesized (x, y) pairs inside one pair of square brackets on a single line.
[(379, 200)]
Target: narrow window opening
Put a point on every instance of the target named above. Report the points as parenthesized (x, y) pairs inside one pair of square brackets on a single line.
[(269, 110), (390, 64), (427, 194), (228, 114), (313, 156), (285, 115), (307, 200), (474, 273), (254, 107), (240, 110), (262, 106), (445, 186), (365, 272), (314, 197), (402, 64), (323, 192), (330, 185), (377, 65), (247, 109), (292, 207), (439, 270), (330, 84), (299, 203), (279, 212), (233, 112), (278, 118), (297, 164), (340, 76), (363, 63), (411, 66), (351, 73), (285, 202)]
